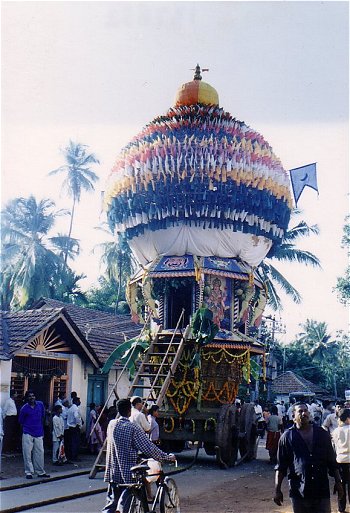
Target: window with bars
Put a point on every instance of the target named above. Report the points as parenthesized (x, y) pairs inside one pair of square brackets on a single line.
[(43, 367)]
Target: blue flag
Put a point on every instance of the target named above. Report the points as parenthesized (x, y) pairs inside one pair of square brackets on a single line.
[(301, 177)]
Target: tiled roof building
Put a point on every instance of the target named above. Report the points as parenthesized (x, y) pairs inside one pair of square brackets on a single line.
[(289, 383)]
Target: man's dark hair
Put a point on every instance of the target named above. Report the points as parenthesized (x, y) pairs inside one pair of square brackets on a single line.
[(124, 407), (73, 394), (274, 410), (26, 395), (299, 403), (153, 408), (75, 400), (340, 403), (57, 407), (136, 400), (345, 414)]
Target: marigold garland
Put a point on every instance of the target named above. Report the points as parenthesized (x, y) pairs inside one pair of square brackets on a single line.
[(223, 354), (172, 425), (227, 393), (206, 424)]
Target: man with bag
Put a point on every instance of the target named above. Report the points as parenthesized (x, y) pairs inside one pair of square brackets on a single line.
[(124, 440)]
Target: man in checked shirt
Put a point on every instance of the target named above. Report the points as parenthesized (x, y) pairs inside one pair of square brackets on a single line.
[(124, 440)]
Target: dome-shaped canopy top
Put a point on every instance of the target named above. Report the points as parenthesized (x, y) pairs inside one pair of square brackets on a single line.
[(198, 181), (196, 91)]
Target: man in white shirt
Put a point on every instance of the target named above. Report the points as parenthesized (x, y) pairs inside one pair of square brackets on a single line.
[(11, 425), (138, 414), (341, 442), (331, 421), (57, 433), (316, 412), (74, 422), (60, 399), (1, 439)]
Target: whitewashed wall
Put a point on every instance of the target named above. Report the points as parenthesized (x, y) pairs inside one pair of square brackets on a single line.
[(5, 380)]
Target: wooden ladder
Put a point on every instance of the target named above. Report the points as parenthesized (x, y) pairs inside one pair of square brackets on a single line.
[(158, 366)]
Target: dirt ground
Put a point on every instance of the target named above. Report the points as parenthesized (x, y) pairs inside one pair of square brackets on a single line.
[(205, 488)]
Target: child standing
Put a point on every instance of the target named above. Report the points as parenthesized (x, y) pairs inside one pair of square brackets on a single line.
[(57, 433)]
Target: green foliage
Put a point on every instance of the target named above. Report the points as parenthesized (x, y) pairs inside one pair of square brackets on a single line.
[(287, 252), (129, 352), (343, 282), (318, 357), (78, 176), (118, 263), (105, 297), (33, 267), (203, 327)]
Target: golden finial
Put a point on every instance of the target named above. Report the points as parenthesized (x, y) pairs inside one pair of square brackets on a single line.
[(197, 72)]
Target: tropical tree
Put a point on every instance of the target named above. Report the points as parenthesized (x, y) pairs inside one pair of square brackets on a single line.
[(287, 252), (66, 245), (118, 262), (78, 176), (343, 282), (323, 349), (31, 267)]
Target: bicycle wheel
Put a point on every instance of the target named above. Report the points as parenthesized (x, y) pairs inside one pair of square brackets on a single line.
[(136, 506), (169, 497), (131, 503)]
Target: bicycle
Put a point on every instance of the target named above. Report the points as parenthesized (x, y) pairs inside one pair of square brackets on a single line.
[(134, 497)]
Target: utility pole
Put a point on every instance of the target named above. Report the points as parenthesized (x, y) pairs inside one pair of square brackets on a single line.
[(274, 326), (335, 387)]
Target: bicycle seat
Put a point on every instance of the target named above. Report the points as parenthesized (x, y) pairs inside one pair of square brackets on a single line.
[(140, 468)]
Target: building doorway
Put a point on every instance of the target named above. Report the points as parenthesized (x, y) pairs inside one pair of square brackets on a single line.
[(179, 298)]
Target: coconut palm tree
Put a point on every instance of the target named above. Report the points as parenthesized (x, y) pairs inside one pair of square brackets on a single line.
[(79, 176), (321, 347), (31, 267), (117, 259), (316, 339), (66, 245), (287, 252)]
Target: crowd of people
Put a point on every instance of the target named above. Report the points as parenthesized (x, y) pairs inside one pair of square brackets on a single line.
[(30, 426), (306, 440)]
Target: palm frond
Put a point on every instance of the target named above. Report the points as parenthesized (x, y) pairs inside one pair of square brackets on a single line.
[(289, 253), (301, 230)]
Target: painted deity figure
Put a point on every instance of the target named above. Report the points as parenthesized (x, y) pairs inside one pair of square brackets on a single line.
[(216, 301)]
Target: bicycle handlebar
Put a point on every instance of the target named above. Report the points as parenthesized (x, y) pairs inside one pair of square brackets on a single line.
[(179, 470)]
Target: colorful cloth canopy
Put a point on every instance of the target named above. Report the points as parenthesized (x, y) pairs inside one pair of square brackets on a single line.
[(197, 166)]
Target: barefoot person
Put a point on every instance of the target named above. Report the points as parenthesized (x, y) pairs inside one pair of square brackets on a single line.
[(306, 451)]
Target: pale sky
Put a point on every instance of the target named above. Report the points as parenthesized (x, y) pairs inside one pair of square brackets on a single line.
[(97, 72)]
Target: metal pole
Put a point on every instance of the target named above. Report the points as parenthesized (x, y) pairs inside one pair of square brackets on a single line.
[(335, 386)]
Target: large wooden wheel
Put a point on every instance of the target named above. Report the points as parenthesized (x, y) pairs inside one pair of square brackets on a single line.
[(247, 432), (226, 436)]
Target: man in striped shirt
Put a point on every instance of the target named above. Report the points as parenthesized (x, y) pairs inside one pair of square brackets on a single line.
[(124, 441)]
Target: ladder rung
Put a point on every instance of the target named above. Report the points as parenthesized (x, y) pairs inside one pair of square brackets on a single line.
[(162, 354), (167, 343), (145, 375), (146, 386)]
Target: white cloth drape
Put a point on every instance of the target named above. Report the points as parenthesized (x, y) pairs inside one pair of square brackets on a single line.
[(183, 239)]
